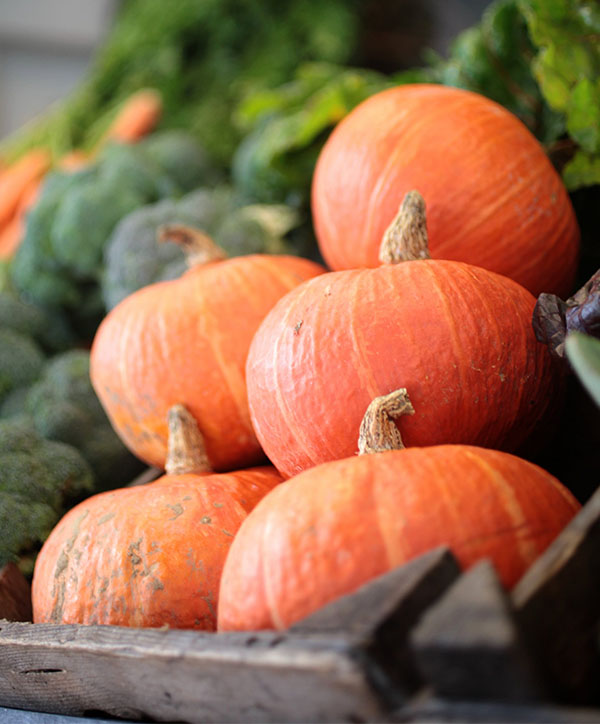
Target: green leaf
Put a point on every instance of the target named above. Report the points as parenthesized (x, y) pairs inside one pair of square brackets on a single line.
[(583, 352), (583, 118), (582, 170)]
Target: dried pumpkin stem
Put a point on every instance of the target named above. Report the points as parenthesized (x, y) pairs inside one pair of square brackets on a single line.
[(199, 248), (378, 431), (406, 237), (186, 452)]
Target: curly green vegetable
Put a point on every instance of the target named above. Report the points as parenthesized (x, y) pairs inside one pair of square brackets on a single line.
[(39, 479)]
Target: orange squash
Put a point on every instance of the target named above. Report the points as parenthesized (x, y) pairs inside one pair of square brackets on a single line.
[(458, 338), (494, 200), (150, 555), (185, 341), (334, 527)]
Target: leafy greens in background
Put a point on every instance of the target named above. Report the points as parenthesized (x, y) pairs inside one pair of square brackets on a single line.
[(202, 56)]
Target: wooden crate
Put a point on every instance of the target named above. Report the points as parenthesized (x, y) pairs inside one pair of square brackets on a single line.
[(424, 643)]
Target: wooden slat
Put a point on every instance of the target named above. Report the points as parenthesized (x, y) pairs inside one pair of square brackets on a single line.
[(558, 606), (379, 616), (184, 676), (468, 645)]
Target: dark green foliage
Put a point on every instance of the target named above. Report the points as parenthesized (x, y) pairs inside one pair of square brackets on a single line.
[(64, 407), (39, 479), (134, 258), (21, 361), (287, 127)]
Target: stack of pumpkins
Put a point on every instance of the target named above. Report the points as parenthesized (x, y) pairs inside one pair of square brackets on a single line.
[(276, 356)]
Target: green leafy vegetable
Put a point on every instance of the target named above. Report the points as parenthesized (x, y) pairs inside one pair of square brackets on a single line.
[(583, 352), (287, 127)]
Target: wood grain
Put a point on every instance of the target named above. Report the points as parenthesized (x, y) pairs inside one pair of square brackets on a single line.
[(558, 607), (183, 676)]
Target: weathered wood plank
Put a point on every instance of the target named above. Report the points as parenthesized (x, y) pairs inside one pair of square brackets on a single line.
[(558, 606), (184, 676), (468, 644), (15, 594), (380, 614)]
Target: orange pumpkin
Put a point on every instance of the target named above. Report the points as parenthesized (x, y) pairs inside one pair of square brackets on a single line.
[(458, 338), (494, 199), (334, 527), (150, 555), (185, 341)]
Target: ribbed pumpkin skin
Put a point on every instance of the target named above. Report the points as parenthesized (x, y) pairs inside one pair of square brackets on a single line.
[(493, 198), (457, 337), (185, 342), (148, 555), (327, 531)]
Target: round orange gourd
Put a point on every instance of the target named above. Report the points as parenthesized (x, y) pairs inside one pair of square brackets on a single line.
[(334, 527), (150, 555), (493, 197), (459, 338), (185, 341)]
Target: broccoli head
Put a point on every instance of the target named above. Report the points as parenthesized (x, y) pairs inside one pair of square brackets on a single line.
[(39, 480), (59, 263), (50, 330), (84, 221), (21, 360), (64, 407), (182, 158), (133, 258)]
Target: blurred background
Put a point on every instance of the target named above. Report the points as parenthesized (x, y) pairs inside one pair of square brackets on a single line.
[(46, 45)]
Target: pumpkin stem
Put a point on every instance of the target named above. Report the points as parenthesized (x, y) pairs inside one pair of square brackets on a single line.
[(199, 248), (186, 452), (406, 237), (378, 431)]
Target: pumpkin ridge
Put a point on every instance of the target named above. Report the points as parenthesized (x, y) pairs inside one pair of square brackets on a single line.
[(265, 579), (286, 412), (439, 277), (372, 212), (520, 344), (392, 541), (358, 293), (455, 284), (528, 550), (231, 375)]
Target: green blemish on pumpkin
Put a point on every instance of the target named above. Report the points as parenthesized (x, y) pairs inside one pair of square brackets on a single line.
[(206, 519), (177, 509), (106, 518)]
